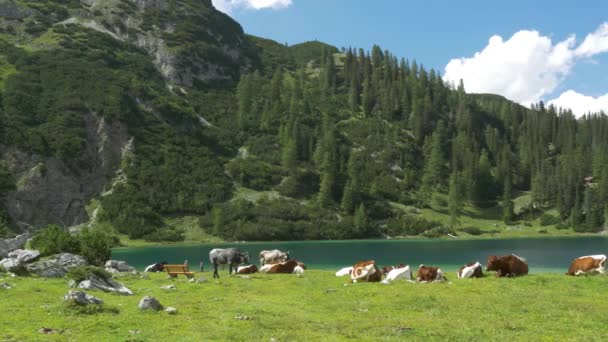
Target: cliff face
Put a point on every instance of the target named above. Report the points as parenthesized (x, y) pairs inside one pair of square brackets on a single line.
[(188, 42), (49, 191)]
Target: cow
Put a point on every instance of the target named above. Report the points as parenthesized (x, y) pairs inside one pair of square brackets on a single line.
[(387, 269), (273, 256), (507, 265), (302, 265), (365, 271), (402, 272), (158, 267), (231, 256), (344, 271), (299, 269), (249, 269), (280, 267), (470, 270), (590, 264), (430, 274)]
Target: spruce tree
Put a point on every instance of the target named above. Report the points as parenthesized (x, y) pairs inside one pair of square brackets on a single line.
[(454, 200)]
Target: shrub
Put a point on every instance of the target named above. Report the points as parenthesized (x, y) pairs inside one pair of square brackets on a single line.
[(53, 240), (547, 220), (81, 273), (172, 235), (438, 232), (542, 231), (472, 230), (95, 246), (561, 225)]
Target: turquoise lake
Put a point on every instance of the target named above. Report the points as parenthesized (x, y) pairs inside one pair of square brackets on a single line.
[(543, 254)]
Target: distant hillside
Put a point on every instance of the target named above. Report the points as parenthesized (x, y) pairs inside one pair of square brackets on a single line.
[(129, 115)]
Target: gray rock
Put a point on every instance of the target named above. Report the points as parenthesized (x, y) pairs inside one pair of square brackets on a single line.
[(81, 298), (6, 286), (169, 287), (9, 264), (9, 245), (24, 255), (171, 310), (118, 266), (149, 303), (105, 285), (56, 266)]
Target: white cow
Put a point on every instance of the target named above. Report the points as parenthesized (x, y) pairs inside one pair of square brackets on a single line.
[(344, 271), (404, 273), (470, 271), (273, 256)]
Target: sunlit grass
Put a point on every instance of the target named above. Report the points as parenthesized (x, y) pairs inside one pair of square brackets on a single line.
[(317, 307)]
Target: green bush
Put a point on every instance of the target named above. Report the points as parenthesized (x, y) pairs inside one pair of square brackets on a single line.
[(438, 232), (54, 240), (410, 225), (171, 235), (93, 245), (81, 273), (548, 219), (472, 230), (561, 225)]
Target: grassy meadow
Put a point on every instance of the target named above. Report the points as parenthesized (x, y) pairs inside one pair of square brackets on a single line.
[(315, 307)]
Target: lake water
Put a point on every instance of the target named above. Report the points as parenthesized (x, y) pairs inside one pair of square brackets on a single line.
[(543, 254)]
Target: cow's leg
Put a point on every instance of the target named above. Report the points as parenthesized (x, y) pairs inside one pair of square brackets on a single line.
[(215, 274)]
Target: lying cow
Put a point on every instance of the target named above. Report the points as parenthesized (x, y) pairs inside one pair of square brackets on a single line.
[(507, 265), (387, 269), (272, 257), (249, 269), (344, 271), (402, 272), (590, 264), (430, 274), (470, 270), (281, 267), (365, 271)]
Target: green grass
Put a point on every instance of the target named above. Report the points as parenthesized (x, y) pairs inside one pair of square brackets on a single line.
[(317, 307)]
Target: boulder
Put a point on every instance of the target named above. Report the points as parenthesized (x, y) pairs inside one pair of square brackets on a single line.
[(171, 310), (56, 266), (9, 245), (24, 255), (6, 286), (169, 287), (149, 303), (105, 285), (114, 266), (81, 298)]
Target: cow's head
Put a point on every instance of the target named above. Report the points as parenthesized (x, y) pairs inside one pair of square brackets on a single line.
[(287, 255), (493, 264), (244, 257)]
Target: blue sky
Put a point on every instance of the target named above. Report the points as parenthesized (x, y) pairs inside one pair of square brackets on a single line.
[(549, 50)]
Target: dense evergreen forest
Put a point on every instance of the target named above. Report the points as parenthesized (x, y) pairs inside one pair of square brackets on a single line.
[(295, 142)]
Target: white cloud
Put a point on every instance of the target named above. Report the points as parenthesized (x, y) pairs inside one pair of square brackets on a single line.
[(528, 66), (581, 104), (228, 6)]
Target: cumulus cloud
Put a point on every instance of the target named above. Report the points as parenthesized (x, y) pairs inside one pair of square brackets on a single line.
[(528, 66), (228, 6), (581, 104)]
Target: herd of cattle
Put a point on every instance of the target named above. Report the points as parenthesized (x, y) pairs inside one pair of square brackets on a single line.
[(275, 261)]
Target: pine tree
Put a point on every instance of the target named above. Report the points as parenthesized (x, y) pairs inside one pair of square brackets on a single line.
[(348, 203), (454, 200), (360, 220), (507, 202)]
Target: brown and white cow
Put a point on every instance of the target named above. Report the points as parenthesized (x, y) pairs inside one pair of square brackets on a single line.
[(280, 267), (365, 271), (507, 265), (344, 271), (249, 269), (470, 270), (589, 264), (430, 274)]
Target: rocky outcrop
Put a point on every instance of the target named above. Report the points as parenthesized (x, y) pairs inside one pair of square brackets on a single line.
[(81, 298), (115, 266), (149, 303), (11, 10), (105, 285), (48, 191), (56, 266), (9, 245), (18, 258)]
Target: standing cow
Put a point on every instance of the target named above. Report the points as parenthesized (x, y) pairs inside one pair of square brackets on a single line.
[(230, 256), (507, 265), (273, 256)]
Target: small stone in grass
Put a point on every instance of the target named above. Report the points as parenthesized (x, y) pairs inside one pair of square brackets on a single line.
[(242, 318), (171, 310)]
